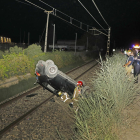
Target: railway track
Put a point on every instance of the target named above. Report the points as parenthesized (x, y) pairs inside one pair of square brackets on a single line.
[(83, 69), (38, 87)]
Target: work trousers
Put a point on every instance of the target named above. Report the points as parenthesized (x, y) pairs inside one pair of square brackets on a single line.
[(128, 69), (137, 71)]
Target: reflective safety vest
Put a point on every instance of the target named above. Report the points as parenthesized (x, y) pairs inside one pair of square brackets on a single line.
[(129, 51), (125, 52)]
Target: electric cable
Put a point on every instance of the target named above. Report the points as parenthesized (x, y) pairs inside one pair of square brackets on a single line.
[(64, 13), (77, 26), (100, 12), (91, 16), (62, 18), (22, 2), (70, 17), (42, 34), (35, 5)]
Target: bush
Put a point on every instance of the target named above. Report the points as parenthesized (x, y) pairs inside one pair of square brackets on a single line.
[(15, 50), (61, 59), (1, 54), (15, 64), (6, 52), (33, 50), (99, 115), (13, 58)]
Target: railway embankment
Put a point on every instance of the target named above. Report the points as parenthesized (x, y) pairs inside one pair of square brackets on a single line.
[(17, 66)]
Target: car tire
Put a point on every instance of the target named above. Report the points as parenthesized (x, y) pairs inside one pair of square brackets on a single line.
[(49, 62), (51, 70)]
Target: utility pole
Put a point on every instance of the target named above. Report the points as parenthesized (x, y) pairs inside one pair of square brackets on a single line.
[(108, 41), (46, 36), (75, 42), (53, 36)]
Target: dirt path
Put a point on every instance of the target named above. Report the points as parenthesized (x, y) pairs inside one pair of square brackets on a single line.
[(131, 130)]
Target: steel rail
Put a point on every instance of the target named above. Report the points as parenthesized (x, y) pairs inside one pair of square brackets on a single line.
[(85, 71), (18, 97), (17, 121), (36, 88)]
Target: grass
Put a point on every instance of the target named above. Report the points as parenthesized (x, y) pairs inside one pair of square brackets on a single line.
[(99, 116)]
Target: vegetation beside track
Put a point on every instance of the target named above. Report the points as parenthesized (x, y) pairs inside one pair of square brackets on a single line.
[(100, 114), (16, 62)]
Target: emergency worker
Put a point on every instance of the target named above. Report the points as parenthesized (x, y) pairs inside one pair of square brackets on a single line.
[(129, 50), (76, 94), (125, 51), (137, 65), (128, 66)]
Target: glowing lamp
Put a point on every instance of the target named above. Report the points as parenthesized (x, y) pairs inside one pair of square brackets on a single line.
[(136, 46)]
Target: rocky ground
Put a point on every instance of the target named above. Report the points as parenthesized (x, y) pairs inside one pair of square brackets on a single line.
[(55, 120), (131, 129)]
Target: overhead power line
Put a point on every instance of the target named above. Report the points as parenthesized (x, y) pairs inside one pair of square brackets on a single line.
[(91, 15), (22, 2), (99, 12), (71, 18), (42, 34), (54, 14), (35, 5), (63, 13)]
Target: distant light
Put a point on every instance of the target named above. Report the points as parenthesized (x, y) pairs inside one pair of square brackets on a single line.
[(113, 50), (136, 47)]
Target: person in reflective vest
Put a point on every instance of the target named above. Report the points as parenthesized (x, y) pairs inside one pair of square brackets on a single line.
[(128, 65), (137, 65)]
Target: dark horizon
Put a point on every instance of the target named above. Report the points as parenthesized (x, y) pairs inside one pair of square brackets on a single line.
[(18, 16)]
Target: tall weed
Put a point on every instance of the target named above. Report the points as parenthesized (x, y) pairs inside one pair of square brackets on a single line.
[(99, 114)]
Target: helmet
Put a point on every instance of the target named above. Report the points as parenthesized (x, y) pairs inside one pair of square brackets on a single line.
[(79, 83)]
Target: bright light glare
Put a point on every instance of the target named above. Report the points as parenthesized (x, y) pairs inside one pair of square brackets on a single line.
[(136, 46)]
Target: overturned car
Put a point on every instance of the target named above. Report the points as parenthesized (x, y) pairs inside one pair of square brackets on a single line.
[(58, 83)]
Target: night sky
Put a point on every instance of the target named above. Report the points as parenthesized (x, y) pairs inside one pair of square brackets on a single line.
[(18, 16)]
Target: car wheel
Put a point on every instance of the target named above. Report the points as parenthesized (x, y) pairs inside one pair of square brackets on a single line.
[(51, 71), (49, 62)]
